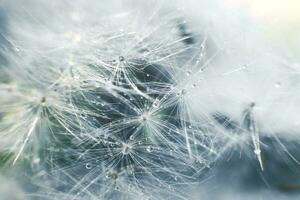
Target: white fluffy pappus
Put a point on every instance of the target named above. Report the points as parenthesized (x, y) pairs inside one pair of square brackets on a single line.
[(124, 102), (108, 94)]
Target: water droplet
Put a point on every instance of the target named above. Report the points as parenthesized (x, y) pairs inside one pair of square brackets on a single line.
[(121, 58), (76, 76), (88, 165), (189, 126), (188, 73), (278, 84), (252, 104), (194, 85), (149, 149), (155, 103), (257, 151), (43, 100), (130, 172), (36, 160), (126, 149), (131, 137)]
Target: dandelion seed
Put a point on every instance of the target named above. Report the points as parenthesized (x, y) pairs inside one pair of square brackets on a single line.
[(251, 127), (28, 135)]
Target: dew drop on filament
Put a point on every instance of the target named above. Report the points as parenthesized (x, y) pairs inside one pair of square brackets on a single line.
[(149, 149), (88, 165)]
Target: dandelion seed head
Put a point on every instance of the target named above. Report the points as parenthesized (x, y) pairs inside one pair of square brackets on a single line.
[(113, 100)]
